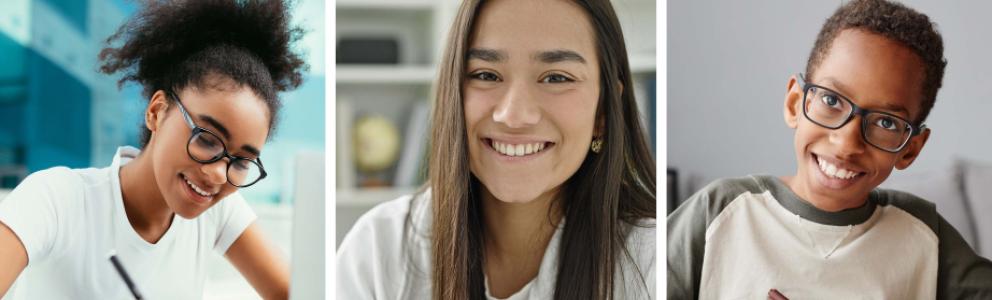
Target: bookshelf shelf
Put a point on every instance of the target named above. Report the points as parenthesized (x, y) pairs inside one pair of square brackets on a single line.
[(369, 197), (388, 74), (386, 5)]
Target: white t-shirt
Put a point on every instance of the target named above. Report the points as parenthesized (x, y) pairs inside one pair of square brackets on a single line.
[(383, 257), (69, 220)]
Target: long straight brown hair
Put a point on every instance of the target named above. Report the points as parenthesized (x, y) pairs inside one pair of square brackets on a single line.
[(608, 194)]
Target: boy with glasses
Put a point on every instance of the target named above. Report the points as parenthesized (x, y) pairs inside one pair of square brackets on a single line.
[(828, 232)]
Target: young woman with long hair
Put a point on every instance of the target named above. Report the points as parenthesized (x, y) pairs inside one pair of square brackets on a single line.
[(541, 182), (211, 71)]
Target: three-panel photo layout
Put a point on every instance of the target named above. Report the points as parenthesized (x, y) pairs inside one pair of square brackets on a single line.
[(495, 149)]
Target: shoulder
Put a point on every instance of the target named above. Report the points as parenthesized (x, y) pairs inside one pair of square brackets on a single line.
[(714, 197), (923, 210), (725, 190), (638, 267), (385, 222), (642, 243), (642, 235), (57, 178), (57, 187), (384, 249)]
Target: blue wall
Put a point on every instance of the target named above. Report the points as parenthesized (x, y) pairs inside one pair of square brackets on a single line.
[(57, 117)]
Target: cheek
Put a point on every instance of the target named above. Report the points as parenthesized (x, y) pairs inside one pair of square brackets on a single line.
[(573, 113), (478, 105)]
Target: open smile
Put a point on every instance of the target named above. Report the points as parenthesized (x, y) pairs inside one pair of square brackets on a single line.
[(518, 149), (835, 174), (196, 193)]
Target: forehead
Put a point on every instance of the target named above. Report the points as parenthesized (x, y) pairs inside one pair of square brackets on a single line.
[(239, 110), (874, 71), (527, 26)]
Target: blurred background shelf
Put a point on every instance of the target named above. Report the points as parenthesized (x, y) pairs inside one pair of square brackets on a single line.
[(384, 74), (369, 197), (347, 5)]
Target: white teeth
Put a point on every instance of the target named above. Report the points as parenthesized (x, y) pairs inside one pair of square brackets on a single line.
[(518, 149), (197, 189), (834, 171)]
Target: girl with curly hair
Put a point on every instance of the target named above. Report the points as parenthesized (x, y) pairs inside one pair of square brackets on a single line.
[(211, 71)]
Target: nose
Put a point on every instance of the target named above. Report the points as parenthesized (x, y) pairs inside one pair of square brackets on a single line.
[(517, 108), (848, 139), (215, 172)]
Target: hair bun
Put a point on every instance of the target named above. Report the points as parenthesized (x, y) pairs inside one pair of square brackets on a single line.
[(166, 33)]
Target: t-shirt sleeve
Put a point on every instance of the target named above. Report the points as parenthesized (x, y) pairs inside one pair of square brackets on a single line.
[(356, 263), (372, 262), (37, 211), (687, 233), (961, 274), (686, 241), (233, 215)]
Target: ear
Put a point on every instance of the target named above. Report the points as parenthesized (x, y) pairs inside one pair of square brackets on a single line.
[(793, 99), (913, 149), (156, 111)]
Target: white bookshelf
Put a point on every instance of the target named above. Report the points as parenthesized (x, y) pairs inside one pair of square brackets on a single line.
[(384, 75), (369, 197)]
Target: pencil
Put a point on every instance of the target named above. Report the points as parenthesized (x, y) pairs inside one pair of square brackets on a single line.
[(127, 279)]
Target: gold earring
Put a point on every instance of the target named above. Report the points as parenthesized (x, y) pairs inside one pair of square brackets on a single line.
[(597, 145)]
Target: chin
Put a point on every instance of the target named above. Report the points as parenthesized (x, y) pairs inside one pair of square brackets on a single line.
[(510, 194), (514, 197), (188, 212)]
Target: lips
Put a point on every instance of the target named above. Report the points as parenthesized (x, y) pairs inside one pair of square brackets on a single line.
[(197, 193), (518, 149), (835, 173)]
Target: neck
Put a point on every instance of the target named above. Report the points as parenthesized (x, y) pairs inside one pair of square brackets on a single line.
[(518, 230), (823, 203), (144, 205)]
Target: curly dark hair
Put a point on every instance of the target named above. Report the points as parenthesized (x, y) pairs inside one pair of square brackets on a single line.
[(170, 45), (893, 21)]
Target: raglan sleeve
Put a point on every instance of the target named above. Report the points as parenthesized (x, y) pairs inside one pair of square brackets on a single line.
[(962, 273)]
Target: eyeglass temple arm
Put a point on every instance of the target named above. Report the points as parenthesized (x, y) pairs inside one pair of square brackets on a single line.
[(186, 117)]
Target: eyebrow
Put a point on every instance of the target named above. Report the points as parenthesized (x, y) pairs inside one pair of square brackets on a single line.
[(488, 55), (886, 106), (227, 134), (559, 55), (548, 57)]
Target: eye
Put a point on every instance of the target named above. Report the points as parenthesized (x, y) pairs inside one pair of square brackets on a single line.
[(887, 124), (484, 76), (830, 100), (206, 142), (240, 164), (556, 78)]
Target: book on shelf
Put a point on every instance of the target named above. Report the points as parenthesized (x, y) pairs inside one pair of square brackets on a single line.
[(345, 163), (414, 146)]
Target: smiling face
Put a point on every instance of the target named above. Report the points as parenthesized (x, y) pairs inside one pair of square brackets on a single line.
[(530, 96), (235, 114), (837, 168)]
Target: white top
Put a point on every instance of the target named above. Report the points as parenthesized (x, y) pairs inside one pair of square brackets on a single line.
[(759, 235), (383, 257), (815, 254), (69, 220)]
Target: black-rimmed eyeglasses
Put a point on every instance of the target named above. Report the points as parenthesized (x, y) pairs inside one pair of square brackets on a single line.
[(205, 147), (831, 110)]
